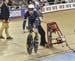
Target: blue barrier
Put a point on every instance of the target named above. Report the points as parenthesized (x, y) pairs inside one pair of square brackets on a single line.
[(17, 13)]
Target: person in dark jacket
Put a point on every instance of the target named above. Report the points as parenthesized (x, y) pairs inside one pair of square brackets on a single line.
[(5, 12), (5, 20)]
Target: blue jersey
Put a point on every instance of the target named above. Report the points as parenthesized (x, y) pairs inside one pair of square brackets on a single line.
[(32, 19)]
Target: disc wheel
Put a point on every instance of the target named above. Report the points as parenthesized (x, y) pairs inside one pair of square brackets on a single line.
[(35, 44)]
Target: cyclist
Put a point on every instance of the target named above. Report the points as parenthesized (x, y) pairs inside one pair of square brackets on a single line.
[(33, 18)]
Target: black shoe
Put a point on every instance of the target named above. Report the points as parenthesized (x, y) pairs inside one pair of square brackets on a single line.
[(43, 45), (9, 37), (1, 37)]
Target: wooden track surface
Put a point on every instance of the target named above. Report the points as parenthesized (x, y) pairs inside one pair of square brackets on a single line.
[(15, 50)]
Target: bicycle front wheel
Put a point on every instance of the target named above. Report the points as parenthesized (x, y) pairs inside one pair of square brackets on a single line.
[(29, 44)]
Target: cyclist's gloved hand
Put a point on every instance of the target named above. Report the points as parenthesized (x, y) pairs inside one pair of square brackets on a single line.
[(31, 30)]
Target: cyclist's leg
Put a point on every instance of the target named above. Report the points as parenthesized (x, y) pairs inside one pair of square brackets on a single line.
[(36, 24), (36, 42), (30, 26)]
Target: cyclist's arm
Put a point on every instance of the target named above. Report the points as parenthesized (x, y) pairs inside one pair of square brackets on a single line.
[(24, 20), (25, 15)]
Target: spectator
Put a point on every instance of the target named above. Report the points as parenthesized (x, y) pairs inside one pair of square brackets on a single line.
[(51, 1), (5, 22), (10, 3), (43, 2)]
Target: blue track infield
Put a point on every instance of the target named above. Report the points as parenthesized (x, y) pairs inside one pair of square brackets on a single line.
[(63, 57)]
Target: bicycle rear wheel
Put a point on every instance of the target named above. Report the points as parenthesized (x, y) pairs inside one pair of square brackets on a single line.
[(36, 44)]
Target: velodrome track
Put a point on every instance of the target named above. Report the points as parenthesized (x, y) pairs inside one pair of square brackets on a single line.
[(15, 50)]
